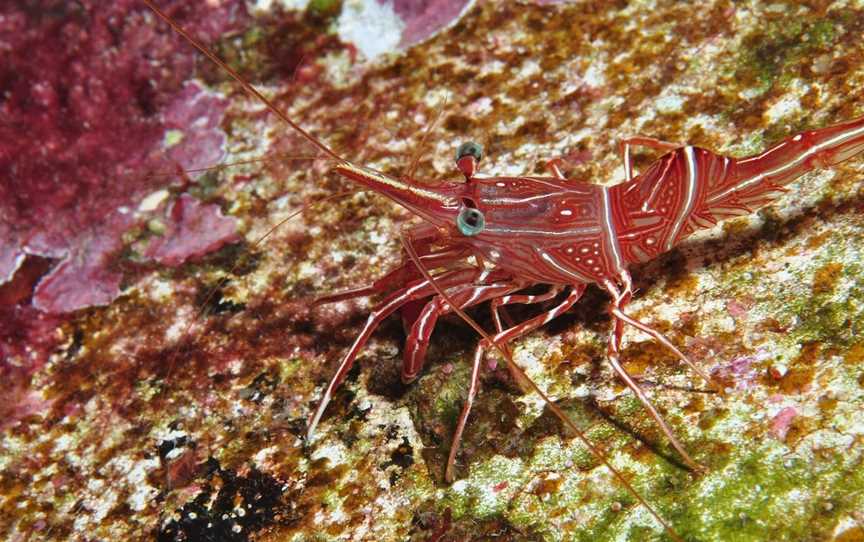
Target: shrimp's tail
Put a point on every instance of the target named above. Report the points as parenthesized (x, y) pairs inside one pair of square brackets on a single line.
[(752, 182)]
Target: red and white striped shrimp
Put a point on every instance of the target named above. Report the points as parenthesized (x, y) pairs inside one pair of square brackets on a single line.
[(568, 234)]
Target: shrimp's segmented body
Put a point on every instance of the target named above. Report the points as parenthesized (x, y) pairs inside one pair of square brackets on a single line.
[(488, 239), (568, 234)]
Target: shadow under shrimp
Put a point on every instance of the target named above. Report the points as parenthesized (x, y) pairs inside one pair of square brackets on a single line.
[(652, 443)]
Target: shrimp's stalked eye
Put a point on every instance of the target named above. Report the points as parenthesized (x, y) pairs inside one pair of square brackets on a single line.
[(470, 221), (470, 149), (468, 155)]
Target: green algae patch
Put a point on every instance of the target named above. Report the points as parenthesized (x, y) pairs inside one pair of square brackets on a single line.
[(744, 500), (322, 8), (776, 48), (826, 316), (563, 484)]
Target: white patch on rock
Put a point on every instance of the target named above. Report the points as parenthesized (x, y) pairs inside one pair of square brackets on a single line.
[(784, 108), (152, 201), (142, 492), (335, 453), (670, 103), (267, 5), (373, 28), (459, 486), (595, 75)]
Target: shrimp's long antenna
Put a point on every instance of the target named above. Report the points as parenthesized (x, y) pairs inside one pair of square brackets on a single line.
[(246, 86), (226, 165), (419, 152)]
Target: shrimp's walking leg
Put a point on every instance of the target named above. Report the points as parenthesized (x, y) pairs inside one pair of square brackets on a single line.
[(620, 315), (500, 339), (625, 147), (554, 167), (497, 306), (400, 275), (613, 351), (418, 339), (524, 299), (417, 290)]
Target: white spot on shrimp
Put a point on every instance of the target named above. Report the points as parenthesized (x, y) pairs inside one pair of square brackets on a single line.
[(566, 212)]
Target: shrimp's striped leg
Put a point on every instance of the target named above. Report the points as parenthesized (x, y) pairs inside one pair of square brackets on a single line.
[(622, 299), (417, 290), (398, 276), (497, 308), (626, 145), (418, 339), (554, 167), (524, 299), (501, 338), (613, 352), (668, 344)]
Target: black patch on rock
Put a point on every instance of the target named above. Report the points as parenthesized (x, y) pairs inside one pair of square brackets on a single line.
[(209, 519)]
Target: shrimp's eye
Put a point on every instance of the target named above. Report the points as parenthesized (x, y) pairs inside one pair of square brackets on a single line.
[(470, 221), (470, 149)]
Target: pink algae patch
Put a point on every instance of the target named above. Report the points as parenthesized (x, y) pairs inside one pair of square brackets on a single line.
[(85, 87), (89, 91), (737, 374), (424, 18), (84, 277), (781, 422), (196, 116), (193, 231), (19, 403), (736, 308)]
